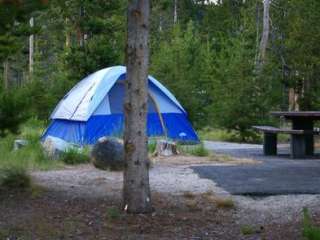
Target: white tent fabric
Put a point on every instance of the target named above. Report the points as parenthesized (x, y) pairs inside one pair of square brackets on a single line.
[(82, 100)]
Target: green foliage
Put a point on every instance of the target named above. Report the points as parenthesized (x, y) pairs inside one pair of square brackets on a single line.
[(181, 63), (74, 156), (13, 112), (208, 58), (309, 231), (216, 134), (30, 157)]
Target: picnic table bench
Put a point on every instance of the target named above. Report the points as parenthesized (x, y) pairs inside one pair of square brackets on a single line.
[(297, 144)]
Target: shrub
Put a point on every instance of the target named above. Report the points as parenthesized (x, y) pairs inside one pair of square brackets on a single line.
[(15, 177), (13, 112), (74, 156)]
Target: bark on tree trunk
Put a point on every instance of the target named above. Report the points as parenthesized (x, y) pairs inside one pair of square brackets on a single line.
[(136, 190), (265, 33), (31, 48), (6, 74)]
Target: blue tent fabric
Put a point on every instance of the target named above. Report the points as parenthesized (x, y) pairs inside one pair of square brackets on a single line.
[(74, 121)]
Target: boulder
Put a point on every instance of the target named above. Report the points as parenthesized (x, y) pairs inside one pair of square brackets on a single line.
[(108, 154)]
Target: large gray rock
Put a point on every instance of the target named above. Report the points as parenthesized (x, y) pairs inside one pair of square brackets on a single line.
[(108, 154)]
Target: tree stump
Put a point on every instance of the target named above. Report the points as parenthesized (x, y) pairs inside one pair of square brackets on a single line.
[(166, 148)]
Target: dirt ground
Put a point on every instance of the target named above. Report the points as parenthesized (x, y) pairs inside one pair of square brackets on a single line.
[(81, 202)]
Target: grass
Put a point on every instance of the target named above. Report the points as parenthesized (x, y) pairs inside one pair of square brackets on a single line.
[(247, 230), (15, 164), (195, 150), (224, 202), (15, 178), (113, 213), (214, 134), (310, 232), (74, 156), (152, 144), (220, 202)]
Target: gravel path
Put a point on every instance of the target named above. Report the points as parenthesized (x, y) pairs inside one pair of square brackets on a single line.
[(88, 181)]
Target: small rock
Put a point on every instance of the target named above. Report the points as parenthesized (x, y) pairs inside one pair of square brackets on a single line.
[(19, 143)]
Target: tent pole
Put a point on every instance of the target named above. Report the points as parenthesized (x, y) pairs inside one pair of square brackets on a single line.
[(160, 116)]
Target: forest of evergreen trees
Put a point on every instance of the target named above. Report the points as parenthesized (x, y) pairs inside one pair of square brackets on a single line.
[(229, 63)]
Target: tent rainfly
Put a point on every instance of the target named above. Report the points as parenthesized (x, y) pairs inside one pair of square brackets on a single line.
[(93, 108)]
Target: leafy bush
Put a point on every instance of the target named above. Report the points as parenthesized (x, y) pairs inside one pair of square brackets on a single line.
[(74, 156), (309, 231), (13, 111)]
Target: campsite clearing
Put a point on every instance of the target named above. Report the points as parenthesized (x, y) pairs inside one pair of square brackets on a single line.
[(81, 202)]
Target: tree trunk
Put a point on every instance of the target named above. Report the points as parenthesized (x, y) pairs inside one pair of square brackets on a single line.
[(265, 33), (80, 34), (6, 74), (175, 12), (68, 34), (293, 100), (136, 190), (31, 49)]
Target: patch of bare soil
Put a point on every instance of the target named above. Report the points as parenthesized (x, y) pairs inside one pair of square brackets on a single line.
[(82, 202)]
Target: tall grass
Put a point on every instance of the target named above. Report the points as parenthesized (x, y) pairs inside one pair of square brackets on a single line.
[(15, 164), (75, 156), (215, 134), (195, 150)]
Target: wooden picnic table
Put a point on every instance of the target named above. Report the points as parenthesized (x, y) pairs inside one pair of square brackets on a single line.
[(301, 120)]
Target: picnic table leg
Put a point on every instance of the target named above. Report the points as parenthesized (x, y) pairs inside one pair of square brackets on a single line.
[(308, 138), (270, 144), (298, 146)]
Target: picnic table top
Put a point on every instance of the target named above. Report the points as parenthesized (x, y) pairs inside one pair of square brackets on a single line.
[(293, 114)]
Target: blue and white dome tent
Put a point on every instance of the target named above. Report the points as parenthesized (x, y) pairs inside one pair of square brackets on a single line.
[(93, 108)]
